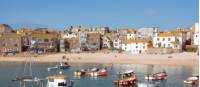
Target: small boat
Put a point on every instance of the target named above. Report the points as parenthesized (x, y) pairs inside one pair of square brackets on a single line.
[(27, 79), (192, 80), (80, 72), (156, 76), (58, 81), (94, 72), (62, 65), (126, 79), (102, 72)]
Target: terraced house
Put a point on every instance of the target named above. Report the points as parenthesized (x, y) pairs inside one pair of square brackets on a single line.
[(69, 42), (135, 46), (174, 40), (10, 42), (93, 41), (45, 40)]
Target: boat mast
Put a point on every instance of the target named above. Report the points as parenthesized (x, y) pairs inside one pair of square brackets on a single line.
[(29, 60)]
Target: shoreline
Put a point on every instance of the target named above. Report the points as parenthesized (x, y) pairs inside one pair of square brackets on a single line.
[(177, 59)]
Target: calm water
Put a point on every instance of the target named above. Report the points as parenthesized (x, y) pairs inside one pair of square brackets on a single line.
[(176, 74)]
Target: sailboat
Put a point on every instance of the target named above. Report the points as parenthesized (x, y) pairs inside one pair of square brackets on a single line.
[(61, 65), (29, 78)]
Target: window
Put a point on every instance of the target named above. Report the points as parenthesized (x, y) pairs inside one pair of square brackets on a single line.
[(163, 39), (33, 38), (82, 43), (15, 45), (46, 40), (164, 45), (157, 39), (94, 44), (168, 45), (62, 84), (3, 45), (169, 39)]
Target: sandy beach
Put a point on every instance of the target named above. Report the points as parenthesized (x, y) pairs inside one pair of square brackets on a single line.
[(186, 59)]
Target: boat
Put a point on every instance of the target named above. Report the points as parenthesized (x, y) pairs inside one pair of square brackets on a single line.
[(59, 81), (61, 65), (192, 80), (156, 76), (80, 72), (27, 76), (102, 72), (94, 72), (127, 78)]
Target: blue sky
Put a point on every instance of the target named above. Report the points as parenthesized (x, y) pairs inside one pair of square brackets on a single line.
[(166, 14)]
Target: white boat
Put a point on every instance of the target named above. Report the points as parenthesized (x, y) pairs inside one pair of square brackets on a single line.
[(192, 80), (61, 65), (156, 76), (58, 81), (96, 72)]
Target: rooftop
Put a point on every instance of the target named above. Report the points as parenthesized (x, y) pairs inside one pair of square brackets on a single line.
[(138, 40), (168, 34)]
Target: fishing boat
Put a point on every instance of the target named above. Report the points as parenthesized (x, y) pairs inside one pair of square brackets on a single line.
[(59, 81), (61, 65), (192, 80), (94, 72), (127, 78), (156, 76), (81, 72), (101, 72)]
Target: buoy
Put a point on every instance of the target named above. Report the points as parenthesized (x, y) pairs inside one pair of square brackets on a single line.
[(48, 69), (60, 72)]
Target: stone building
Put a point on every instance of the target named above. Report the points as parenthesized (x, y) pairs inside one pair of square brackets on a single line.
[(4, 28), (10, 42)]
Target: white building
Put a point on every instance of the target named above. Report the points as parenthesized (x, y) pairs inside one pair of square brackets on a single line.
[(196, 34), (117, 43), (135, 46), (148, 31), (173, 40), (106, 42), (131, 35), (73, 35)]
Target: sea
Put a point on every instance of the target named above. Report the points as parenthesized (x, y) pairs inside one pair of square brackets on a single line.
[(175, 78)]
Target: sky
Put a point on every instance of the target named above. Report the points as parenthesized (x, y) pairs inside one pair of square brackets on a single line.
[(59, 14)]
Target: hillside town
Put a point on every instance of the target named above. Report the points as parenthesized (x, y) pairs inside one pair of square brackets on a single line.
[(77, 39)]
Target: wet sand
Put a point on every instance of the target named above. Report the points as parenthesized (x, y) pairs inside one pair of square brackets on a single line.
[(186, 59)]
